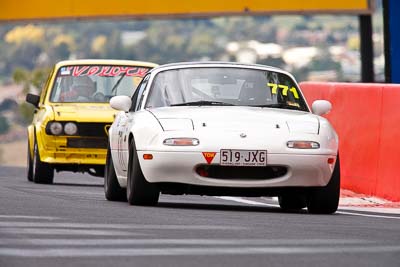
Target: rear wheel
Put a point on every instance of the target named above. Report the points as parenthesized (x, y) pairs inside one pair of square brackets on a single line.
[(29, 170), (42, 172), (325, 200), (292, 202), (139, 191), (113, 191)]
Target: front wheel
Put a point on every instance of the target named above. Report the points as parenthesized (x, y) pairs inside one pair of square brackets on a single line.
[(42, 172), (325, 200), (292, 202), (113, 191), (139, 191), (29, 170)]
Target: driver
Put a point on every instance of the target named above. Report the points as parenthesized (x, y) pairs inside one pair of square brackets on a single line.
[(81, 90)]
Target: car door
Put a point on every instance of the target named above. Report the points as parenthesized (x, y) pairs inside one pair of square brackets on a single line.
[(121, 127), (126, 123), (115, 141)]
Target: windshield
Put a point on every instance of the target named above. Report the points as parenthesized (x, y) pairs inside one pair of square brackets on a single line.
[(95, 83), (225, 86)]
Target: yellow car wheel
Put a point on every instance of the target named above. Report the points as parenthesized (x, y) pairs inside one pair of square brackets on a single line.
[(42, 172), (29, 174)]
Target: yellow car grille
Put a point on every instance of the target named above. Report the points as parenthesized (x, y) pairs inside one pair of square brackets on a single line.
[(87, 142), (93, 129)]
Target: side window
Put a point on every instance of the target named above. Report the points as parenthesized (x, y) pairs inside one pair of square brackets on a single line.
[(45, 89), (137, 96), (141, 96)]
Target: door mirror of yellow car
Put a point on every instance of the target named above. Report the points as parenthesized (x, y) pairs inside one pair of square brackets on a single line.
[(321, 107), (33, 99), (121, 102)]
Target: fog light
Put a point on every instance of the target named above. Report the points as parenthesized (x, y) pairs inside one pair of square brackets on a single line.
[(181, 142), (303, 144), (70, 128), (202, 172), (56, 128)]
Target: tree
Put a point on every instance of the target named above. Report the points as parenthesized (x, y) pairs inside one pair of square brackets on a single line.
[(26, 113), (31, 80), (4, 125)]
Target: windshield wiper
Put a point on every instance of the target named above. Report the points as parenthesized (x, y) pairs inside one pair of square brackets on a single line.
[(117, 83), (203, 103), (279, 105)]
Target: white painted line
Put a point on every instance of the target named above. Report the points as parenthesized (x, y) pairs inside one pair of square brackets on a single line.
[(65, 192), (183, 242), (362, 201), (376, 210), (269, 250), (371, 209), (368, 215), (117, 226), (28, 217), (69, 232), (376, 200), (246, 201)]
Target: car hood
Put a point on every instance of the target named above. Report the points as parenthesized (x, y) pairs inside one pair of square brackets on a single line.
[(236, 119), (84, 113)]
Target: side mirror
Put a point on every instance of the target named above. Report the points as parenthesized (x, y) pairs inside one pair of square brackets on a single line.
[(321, 107), (121, 102), (33, 99)]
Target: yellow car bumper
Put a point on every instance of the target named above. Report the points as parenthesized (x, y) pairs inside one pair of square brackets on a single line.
[(74, 150)]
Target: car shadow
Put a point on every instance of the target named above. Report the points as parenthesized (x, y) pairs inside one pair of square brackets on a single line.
[(225, 207), (78, 185)]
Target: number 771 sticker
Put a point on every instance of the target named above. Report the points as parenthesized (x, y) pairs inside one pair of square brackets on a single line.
[(285, 89)]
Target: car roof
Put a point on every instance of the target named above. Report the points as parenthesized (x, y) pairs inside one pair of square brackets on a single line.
[(199, 64), (105, 62)]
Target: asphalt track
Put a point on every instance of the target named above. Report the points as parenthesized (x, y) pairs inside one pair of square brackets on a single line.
[(71, 224)]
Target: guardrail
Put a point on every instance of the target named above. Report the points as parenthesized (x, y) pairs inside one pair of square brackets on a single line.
[(367, 120)]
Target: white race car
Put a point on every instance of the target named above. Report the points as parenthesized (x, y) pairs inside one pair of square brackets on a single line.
[(215, 128)]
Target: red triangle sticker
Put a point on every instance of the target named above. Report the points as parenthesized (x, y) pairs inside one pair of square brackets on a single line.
[(209, 156)]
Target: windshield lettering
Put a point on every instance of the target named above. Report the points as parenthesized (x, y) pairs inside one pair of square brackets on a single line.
[(285, 89), (95, 83), (104, 71)]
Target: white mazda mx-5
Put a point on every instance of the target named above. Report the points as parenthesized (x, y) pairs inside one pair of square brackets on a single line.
[(216, 128)]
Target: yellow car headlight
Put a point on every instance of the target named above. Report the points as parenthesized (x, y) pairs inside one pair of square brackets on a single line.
[(70, 128), (55, 128)]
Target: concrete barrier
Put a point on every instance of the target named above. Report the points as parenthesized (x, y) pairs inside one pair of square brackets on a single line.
[(367, 120)]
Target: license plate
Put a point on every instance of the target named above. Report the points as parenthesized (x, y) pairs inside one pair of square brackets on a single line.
[(232, 157)]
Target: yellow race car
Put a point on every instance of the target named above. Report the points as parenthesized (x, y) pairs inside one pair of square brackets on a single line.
[(70, 126)]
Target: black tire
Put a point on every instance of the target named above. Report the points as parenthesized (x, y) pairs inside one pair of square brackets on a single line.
[(325, 200), (42, 172), (139, 191), (29, 167), (292, 202), (112, 190)]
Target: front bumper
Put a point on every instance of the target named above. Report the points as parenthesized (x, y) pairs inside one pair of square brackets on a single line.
[(303, 170), (74, 150)]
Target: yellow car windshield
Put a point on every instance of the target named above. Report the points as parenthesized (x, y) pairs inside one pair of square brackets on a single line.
[(95, 83)]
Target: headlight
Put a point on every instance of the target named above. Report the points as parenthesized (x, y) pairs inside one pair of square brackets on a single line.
[(181, 142), (303, 144), (311, 127), (176, 124), (56, 128), (70, 128)]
